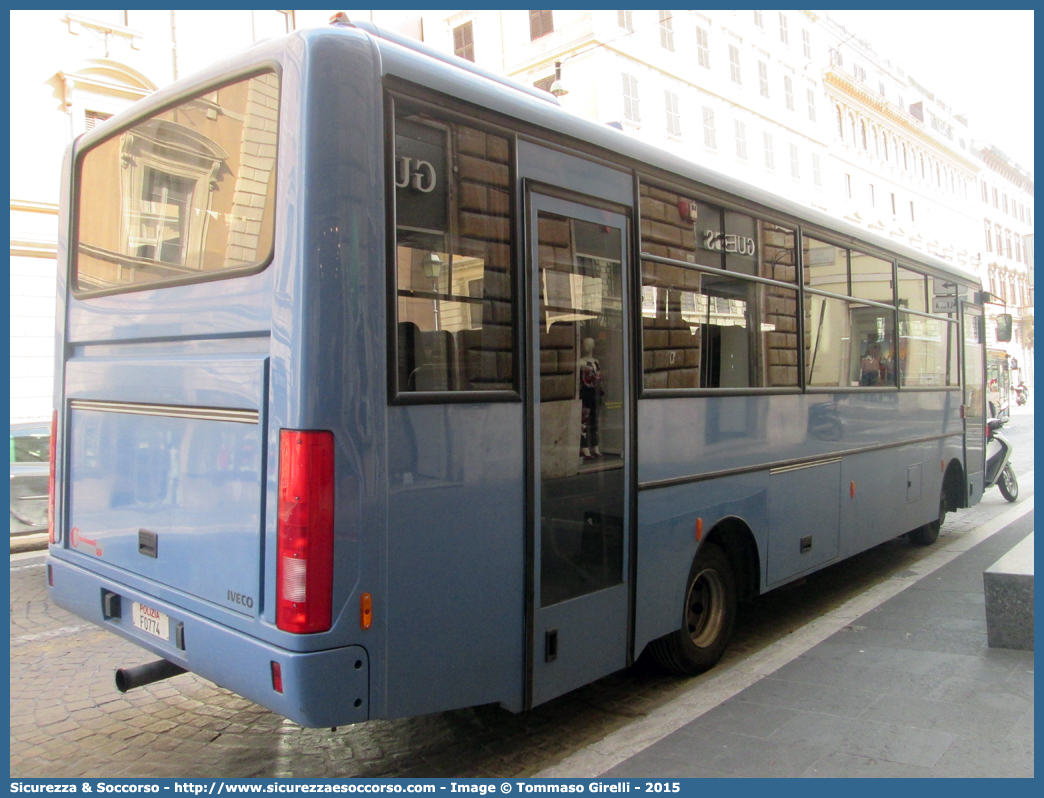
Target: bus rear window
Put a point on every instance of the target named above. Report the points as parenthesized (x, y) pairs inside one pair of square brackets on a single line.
[(185, 195)]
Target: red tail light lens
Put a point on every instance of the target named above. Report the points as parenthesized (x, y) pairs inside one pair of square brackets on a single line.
[(277, 677), (50, 477), (304, 570)]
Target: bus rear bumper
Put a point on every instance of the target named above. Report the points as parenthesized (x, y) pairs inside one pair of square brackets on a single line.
[(319, 689)]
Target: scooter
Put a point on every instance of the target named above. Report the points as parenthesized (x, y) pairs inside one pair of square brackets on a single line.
[(1021, 394), (998, 468)]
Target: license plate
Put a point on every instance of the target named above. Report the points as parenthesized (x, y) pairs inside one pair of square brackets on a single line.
[(149, 620)]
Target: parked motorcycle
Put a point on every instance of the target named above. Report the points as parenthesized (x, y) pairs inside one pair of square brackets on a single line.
[(998, 466)]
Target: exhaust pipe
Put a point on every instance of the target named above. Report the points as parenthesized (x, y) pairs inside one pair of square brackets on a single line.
[(129, 678)]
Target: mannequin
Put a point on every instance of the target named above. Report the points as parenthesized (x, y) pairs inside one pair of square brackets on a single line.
[(590, 393)]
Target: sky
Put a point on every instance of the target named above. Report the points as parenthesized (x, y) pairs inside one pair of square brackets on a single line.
[(979, 62)]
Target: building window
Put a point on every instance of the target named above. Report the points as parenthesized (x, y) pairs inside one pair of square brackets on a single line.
[(788, 91), (625, 21), (709, 137), (862, 133), (784, 34), (893, 204), (770, 155), (906, 163), (873, 201), (840, 122), (92, 118), (996, 198), (817, 175), (763, 78), (1004, 202), (795, 165), (806, 42), (1029, 216), (673, 117), (860, 73), (666, 31), (759, 20), (741, 140), (877, 141), (464, 42), (985, 193), (880, 87), (703, 48), (734, 63), (836, 59), (811, 95), (912, 217), (540, 24), (848, 186), (630, 97)]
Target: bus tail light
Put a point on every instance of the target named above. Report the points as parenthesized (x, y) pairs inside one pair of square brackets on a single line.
[(50, 477), (304, 570)]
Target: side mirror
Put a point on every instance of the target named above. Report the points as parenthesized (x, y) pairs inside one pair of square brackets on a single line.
[(1004, 327)]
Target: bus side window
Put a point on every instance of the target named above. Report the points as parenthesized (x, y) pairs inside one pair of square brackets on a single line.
[(454, 263)]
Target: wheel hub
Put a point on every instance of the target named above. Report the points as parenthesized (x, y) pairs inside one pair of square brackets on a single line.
[(705, 608)]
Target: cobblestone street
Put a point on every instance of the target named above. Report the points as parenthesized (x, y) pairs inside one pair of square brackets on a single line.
[(68, 720)]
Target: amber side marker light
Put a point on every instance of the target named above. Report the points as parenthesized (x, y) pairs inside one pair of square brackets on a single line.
[(365, 610), (699, 529)]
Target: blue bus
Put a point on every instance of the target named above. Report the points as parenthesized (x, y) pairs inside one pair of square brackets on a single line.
[(386, 387)]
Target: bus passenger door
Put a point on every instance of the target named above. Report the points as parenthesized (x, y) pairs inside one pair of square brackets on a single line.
[(580, 421), (974, 402)]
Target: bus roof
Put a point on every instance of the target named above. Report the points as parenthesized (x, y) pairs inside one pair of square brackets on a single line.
[(400, 59)]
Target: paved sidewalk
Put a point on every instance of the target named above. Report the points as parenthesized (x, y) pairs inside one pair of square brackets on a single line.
[(907, 689)]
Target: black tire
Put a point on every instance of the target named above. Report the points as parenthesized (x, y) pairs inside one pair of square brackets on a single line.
[(708, 615), (1009, 486), (929, 533)]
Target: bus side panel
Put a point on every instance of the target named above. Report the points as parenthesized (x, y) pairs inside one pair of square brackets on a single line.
[(688, 437), (456, 555), (667, 542), (871, 513)]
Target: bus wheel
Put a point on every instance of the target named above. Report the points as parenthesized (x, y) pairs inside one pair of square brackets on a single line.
[(1009, 486), (929, 533), (708, 618)]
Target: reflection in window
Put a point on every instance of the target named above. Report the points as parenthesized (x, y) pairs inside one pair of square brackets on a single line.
[(927, 351), (453, 256), (683, 229), (911, 290), (848, 344), (188, 191), (703, 330), (826, 266), (580, 344), (871, 278)]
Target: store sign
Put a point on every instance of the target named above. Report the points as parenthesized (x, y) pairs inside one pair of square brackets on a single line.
[(729, 242), (416, 173)]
